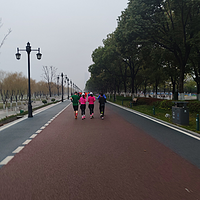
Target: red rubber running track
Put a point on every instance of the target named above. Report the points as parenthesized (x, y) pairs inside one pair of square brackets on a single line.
[(96, 159)]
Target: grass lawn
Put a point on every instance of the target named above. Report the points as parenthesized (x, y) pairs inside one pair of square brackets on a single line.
[(160, 114)]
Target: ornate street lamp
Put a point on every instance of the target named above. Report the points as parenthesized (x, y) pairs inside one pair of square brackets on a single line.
[(62, 85), (58, 84), (18, 56), (71, 87), (68, 87), (62, 75)]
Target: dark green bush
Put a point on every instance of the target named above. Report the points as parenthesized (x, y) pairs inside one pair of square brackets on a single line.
[(44, 101), (166, 104), (122, 98), (194, 106), (52, 100), (148, 101)]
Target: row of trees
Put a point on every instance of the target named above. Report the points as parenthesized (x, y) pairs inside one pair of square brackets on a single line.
[(14, 87), (156, 43)]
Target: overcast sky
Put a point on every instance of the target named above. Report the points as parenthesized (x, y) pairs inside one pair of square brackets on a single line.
[(67, 31)]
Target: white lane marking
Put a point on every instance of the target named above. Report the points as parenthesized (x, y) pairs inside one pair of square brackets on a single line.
[(159, 122), (43, 127), (33, 136), (38, 131), (26, 142), (6, 160), (18, 149)]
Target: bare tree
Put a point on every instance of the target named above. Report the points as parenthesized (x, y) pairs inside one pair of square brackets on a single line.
[(49, 75), (9, 31)]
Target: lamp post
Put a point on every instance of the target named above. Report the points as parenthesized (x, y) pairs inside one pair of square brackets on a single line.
[(62, 75), (71, 87), (18, 56), (68, 87), (58, 77), (58, 84), (62, 85)]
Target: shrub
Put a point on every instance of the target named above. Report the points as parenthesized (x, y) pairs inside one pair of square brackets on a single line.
[(44, 101), (148, 101), (52, 100), (166, 104), (194, 106)]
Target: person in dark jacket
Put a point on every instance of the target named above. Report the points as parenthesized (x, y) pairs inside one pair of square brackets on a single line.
[(102, 101)]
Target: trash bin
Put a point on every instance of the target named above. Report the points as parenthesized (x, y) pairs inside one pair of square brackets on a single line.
[(180, 113), (21, 111)]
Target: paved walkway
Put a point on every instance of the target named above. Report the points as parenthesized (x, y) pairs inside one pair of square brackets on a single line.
[(16, 110), (96, 159)]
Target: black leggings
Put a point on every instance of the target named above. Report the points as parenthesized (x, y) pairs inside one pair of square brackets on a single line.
[(101, 109), (91, 107), (82, 109)]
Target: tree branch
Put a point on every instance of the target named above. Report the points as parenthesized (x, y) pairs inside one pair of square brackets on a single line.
[(9, 31)]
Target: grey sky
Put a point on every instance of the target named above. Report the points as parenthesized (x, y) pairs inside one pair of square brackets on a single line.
[(67, 32)]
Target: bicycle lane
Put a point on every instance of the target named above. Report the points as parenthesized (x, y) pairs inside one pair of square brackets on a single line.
[(15, 135), (97, 159)]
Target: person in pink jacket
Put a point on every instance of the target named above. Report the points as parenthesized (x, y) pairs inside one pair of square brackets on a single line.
[(82, 101), (91, 100)]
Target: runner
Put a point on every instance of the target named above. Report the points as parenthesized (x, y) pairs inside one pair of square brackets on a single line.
[(74, 99), (100, 95), (82, 101), (91, 100), (102, 101)]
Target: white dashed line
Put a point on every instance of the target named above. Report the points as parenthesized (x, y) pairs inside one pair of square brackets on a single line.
[(33, 136), (6, 160), (38, 131), (26, 142), (18, 149)]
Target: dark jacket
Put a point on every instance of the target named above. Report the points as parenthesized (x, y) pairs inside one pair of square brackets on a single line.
[(102, 100)]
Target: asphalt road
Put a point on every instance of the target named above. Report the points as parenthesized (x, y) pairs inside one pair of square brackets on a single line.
[(124, 156)]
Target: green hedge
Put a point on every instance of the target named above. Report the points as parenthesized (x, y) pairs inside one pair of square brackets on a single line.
[(120, 98), (194, 106), (148, 101), (44, 101)]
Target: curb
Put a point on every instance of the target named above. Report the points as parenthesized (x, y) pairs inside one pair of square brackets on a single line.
[(169, 125)]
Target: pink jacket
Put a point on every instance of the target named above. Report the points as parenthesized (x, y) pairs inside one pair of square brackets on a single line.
[(82, 100), (91, 100)]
